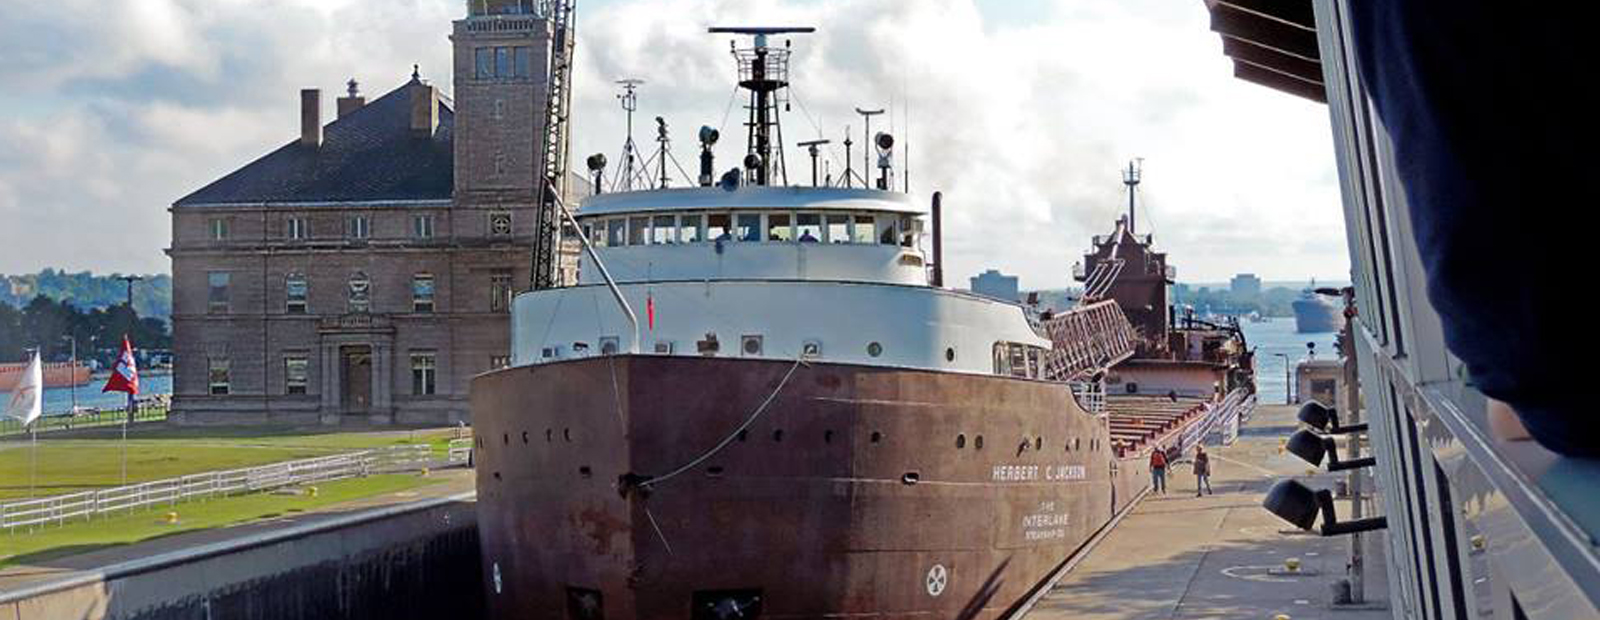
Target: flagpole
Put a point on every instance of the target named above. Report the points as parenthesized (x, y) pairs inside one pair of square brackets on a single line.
[(33, 476), (125, 441)]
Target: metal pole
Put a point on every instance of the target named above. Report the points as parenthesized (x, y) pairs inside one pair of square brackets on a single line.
[(33, 475), (1353, 411), (73, 373)]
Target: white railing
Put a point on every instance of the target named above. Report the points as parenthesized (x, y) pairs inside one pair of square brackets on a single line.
[(85, 505), (1219, 417)]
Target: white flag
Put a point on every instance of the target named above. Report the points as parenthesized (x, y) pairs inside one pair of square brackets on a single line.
[(27, 398)]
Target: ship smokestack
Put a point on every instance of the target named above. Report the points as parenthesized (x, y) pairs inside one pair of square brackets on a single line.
[(938, 239)]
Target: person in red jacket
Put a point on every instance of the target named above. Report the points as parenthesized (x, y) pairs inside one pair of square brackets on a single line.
[(1158, 469)]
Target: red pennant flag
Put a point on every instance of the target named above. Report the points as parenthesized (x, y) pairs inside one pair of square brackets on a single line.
[(650, 309), (125, 376)]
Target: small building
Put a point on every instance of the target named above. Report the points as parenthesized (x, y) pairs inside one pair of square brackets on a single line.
[(363, 272), (1318, 380), (996, 284), (1245, 286)]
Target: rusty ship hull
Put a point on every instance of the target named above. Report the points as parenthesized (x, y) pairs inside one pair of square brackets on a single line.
[(860, 491)]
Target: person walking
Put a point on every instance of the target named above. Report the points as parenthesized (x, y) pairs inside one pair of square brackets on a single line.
[(1202, 471), (1158, 469)]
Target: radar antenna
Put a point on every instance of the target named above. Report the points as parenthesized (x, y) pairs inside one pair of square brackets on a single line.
[(764, 71)]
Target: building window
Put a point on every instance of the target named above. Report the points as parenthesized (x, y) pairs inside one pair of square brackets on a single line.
[(294, 291), (294, 228), (424, 369), (360, 227), (502, 62), (219, 229), (499, 109), (360, 291), (484, 60), (296, 370), (523, 57), (500, 224), (499, 163), (500, 291), (422, 226), (499, 361), (217, 375), (217, 291), (422, 292)]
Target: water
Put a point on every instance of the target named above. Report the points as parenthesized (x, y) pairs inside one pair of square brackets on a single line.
[(1277, 335), (59, 400)]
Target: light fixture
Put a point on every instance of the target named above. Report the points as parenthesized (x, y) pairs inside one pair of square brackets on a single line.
[(1326, 419), (1312, 447), (1296, 503)]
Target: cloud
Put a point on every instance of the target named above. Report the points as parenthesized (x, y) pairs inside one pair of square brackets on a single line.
[(1021, 114)]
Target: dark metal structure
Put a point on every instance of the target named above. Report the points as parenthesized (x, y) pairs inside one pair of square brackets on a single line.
[(554, 141), (764, 71)]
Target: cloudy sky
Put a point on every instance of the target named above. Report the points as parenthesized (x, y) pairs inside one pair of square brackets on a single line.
[(1020, 111)]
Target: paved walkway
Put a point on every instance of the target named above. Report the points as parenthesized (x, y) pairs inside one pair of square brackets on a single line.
[(1180, 557), (455, 480)]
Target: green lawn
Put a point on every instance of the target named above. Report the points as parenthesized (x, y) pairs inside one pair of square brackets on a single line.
[(78, 460), (56, 541)]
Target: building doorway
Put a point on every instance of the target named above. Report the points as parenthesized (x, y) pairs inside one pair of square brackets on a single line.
[(355, 378)]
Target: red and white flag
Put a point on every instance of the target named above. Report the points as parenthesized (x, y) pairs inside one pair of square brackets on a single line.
[(125, 376)]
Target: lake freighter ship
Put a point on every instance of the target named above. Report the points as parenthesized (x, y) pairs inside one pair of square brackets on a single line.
[(758, 401)]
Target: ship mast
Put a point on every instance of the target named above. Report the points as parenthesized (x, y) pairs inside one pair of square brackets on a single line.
[(1130, 178), (764, 71)]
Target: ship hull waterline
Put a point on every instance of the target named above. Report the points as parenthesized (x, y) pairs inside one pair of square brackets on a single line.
[(872, 492)]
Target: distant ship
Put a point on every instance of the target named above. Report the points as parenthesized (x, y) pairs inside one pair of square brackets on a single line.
[(1313, 313), (58, 374)]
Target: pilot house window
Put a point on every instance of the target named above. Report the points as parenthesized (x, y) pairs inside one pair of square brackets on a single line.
[(808, 227), (662, 230), (778, 227)]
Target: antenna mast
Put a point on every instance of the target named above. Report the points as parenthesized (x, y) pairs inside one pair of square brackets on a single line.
[(554, 140), (630, 102), (866, 141), (1130, 178), (764, 71)]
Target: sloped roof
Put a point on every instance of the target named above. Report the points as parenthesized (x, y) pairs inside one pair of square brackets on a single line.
[(369, 155)]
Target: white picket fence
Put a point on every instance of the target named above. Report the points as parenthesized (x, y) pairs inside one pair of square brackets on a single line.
[(59, 509)]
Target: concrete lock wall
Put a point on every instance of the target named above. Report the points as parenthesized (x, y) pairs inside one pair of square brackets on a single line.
[(416, 561)]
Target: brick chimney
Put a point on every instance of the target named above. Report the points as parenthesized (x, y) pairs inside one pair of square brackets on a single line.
[(352, 101), (424, 109), (311, 117)]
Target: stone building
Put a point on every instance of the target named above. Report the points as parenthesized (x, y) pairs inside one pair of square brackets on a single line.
[(363, 272)]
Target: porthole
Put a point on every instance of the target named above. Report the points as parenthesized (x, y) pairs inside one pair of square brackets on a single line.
[(877, 436), (949, 354), (977, 443), (566, 433), (827, 436), (777, 435), (524, 436), (505, 438), (743, 435), (874, 349), (549, 435), (961, 441), (1038, 443)]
